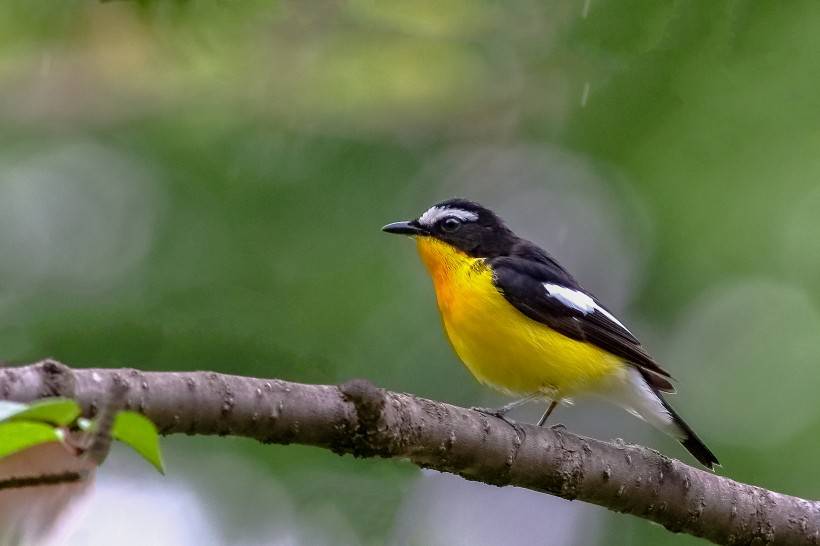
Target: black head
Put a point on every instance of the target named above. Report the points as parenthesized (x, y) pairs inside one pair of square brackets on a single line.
[(463, 224)]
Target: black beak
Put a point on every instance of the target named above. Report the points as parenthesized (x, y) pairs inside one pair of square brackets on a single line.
[(405, 228)]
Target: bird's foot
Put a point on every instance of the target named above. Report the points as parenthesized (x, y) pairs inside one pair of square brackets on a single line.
[(500, 413)]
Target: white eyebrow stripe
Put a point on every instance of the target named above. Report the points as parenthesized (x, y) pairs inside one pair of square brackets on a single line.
[(579, 301), (434, 214)]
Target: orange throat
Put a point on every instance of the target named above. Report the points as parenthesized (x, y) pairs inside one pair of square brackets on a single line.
[(445, 264), (440, 258)]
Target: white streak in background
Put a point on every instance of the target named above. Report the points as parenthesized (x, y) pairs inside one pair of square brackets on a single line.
[(434, 214), (585, 95), (445, 510), (80, 216), (585, 10), (578, 300)]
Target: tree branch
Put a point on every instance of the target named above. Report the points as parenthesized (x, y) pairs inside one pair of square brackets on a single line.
[(365, 421)]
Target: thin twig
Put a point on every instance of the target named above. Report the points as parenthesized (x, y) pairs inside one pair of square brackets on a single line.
[(42, 479), (99, 441)]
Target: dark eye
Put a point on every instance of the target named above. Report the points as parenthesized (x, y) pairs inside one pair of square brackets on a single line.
[(450, 224)]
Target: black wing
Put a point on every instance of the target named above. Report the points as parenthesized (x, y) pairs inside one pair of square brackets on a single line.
[(566, 308)]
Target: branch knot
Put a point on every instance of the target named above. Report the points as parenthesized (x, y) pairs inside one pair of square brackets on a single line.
[(369, 438), (58, 379)]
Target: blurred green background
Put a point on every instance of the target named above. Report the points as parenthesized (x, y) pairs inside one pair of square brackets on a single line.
[(200, 185)]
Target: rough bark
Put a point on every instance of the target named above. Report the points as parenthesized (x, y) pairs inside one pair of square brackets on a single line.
[(365, 421)]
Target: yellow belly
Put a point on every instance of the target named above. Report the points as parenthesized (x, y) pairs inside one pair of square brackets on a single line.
[(502, 347)]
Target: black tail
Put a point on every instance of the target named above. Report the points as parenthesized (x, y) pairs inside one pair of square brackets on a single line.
[(690, 441)]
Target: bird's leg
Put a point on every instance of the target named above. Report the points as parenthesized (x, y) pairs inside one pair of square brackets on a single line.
[(547, 413), (506, 408)]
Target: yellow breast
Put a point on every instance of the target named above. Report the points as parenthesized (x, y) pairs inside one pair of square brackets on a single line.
[(502, 347)]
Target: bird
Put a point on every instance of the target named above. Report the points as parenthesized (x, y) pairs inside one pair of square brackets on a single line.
[(522, 324)]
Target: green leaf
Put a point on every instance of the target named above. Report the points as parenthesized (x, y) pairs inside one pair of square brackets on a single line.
[(57, 411), (141, 434), (19, 435)]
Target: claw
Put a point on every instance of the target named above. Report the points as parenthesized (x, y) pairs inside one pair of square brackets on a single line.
[(494, 412), (500, 414), (520, 432)]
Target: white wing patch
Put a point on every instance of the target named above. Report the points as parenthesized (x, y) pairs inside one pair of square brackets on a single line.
[(434, 214), (579, 301)]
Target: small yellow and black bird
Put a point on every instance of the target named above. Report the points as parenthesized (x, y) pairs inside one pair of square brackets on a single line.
[(523, 325)]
